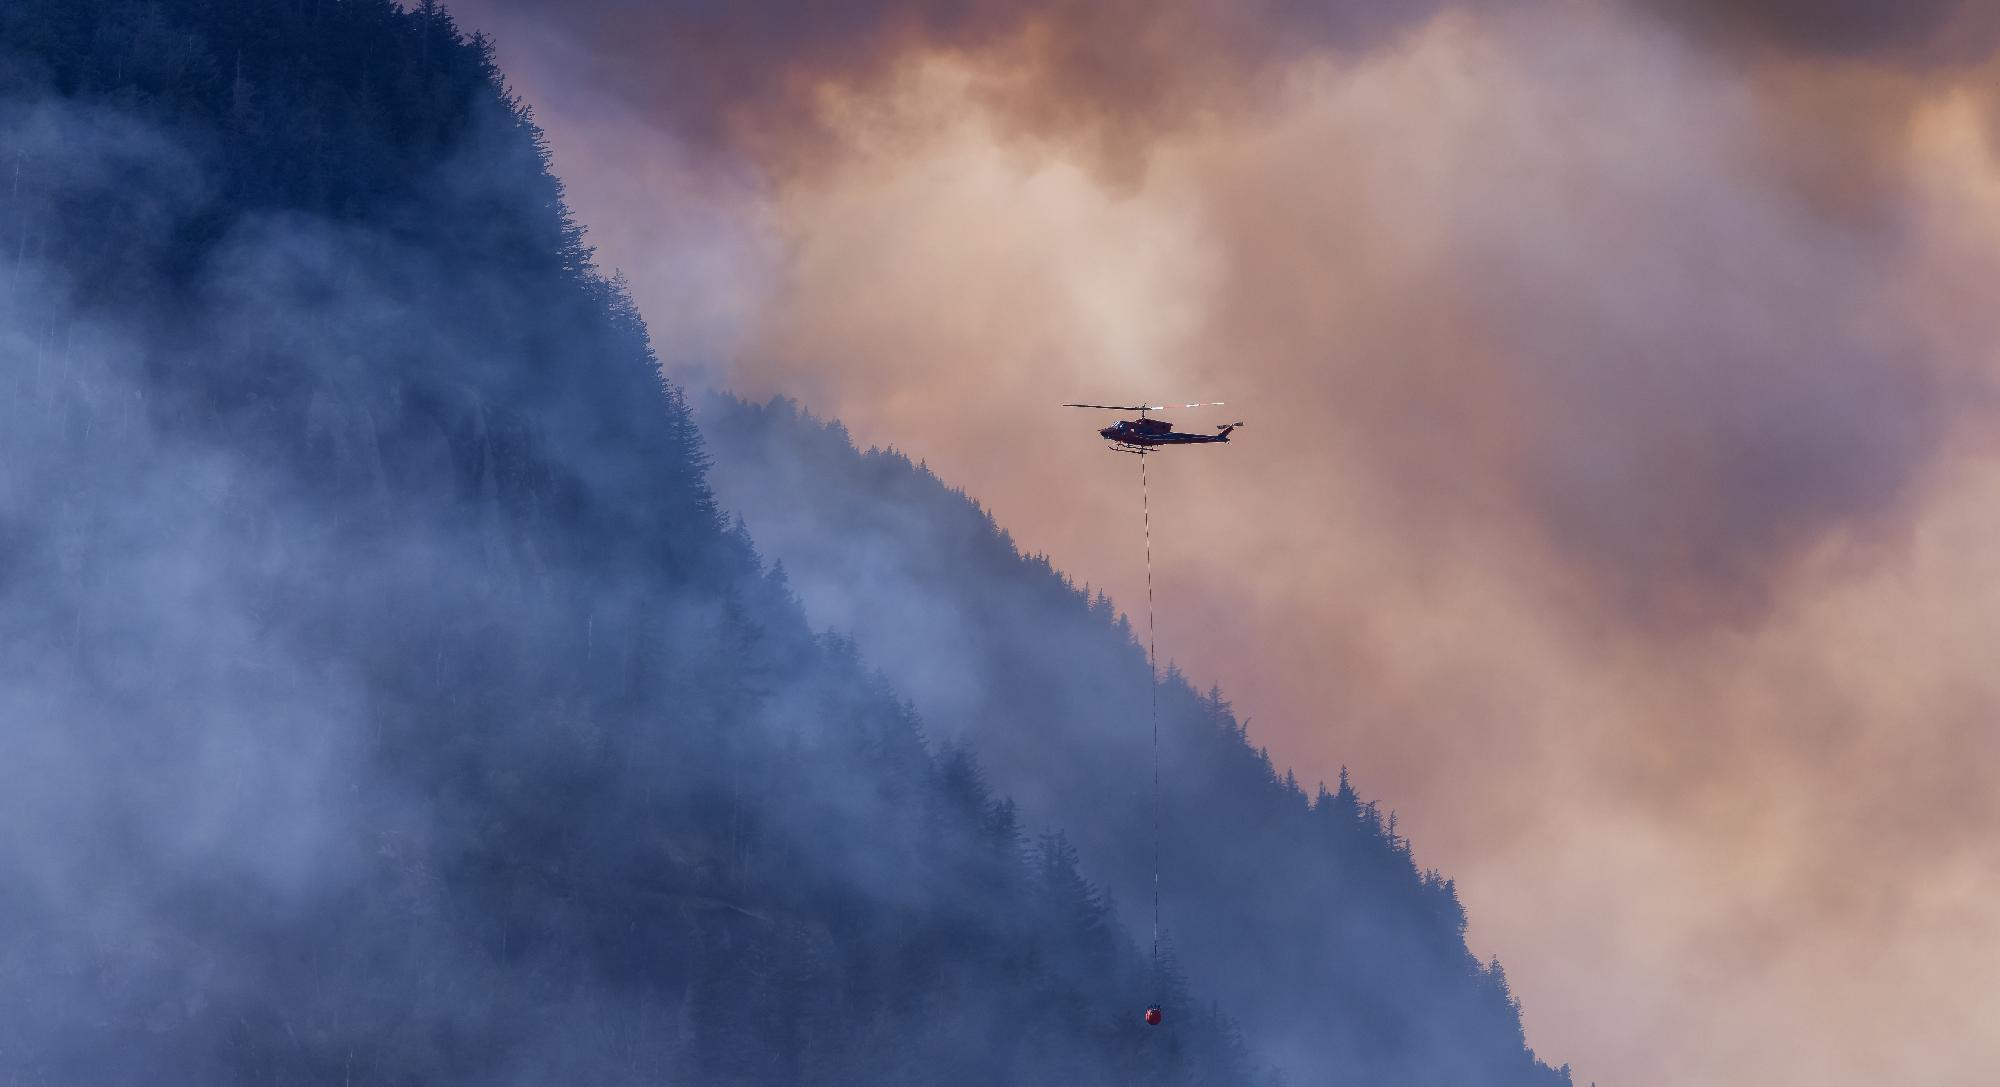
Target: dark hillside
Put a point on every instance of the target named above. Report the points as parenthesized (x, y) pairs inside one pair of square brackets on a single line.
[(382, 698), (1305, 914)]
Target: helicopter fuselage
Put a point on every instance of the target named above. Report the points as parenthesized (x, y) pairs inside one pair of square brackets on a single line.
[(1139, 435)]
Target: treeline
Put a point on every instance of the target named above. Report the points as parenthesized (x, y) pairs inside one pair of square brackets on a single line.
[(1306, 914)]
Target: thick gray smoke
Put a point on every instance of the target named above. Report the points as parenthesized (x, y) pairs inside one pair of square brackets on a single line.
[(385, 700)]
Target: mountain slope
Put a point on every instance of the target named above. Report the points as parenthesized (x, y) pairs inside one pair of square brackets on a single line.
[(386, 700), (1305, 915)]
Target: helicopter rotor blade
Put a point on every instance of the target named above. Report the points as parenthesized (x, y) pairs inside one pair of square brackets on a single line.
[(1147, 407)]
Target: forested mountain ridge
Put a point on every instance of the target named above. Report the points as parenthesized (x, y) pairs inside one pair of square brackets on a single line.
[(1307, 916), (386, 700)]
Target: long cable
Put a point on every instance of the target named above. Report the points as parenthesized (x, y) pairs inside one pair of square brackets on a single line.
[(1153, 684)]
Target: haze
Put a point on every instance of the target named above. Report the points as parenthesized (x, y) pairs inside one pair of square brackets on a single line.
[(1619, 479)]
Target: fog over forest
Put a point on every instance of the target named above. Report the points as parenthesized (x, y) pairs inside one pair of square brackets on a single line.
[(387, 697)]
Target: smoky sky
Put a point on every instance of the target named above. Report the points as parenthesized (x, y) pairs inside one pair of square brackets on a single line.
[(1916, 32), (1111, 76), (1619, 425), (757, 77)]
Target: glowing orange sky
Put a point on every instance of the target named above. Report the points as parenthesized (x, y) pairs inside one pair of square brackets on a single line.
[(1619, 486)]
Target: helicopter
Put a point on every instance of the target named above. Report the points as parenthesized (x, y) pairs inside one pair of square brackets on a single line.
[(1147, 435)]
